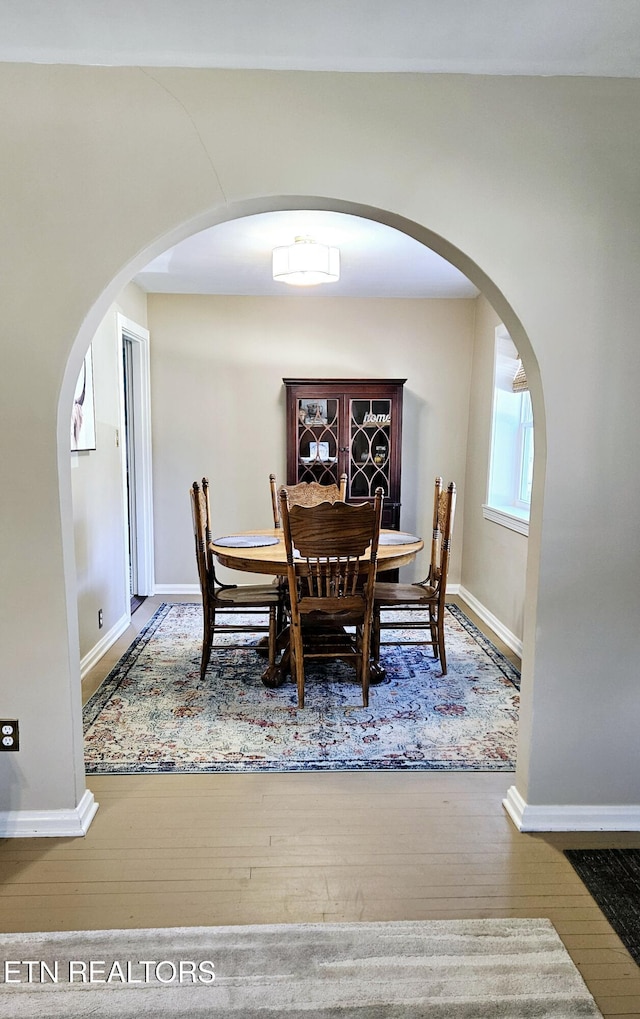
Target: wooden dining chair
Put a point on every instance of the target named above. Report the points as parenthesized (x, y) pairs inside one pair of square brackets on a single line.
[(227, 599), (306, 493), (332, 553), (427, 598)]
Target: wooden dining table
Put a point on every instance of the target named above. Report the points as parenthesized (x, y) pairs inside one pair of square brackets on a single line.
[(263, 551)]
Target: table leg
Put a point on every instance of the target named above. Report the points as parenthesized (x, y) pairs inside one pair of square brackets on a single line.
[(377, 672), (274, 676)]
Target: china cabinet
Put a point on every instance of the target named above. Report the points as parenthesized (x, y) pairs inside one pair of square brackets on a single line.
[(351, 426)]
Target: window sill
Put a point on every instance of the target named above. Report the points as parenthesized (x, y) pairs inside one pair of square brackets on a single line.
[(514, 519)]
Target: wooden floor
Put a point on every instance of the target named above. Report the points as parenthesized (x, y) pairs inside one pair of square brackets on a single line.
[(180, 850)]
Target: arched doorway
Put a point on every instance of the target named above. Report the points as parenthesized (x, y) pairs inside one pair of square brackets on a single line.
[(414, 230)]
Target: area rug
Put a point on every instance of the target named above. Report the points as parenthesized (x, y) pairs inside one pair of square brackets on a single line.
[(441, 969), (153, 713), (612, 877)]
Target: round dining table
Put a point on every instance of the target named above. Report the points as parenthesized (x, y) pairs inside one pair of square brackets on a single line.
[(263, 551)]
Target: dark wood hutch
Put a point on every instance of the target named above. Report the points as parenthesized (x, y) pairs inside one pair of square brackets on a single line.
[(350, 426)]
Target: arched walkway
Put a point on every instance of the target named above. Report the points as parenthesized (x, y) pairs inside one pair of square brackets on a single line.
[(418, 232)]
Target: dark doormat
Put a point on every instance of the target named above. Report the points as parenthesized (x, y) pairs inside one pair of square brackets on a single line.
[(612, 876)]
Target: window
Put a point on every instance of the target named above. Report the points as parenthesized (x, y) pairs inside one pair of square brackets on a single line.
[(511, 458)]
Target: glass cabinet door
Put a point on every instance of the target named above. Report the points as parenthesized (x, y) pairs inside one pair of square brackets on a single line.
[(318, 427), (347, 426), (370, 435)]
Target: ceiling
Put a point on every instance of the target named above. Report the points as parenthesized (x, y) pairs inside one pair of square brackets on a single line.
[(506, 37), (235, 258), (539, 37)]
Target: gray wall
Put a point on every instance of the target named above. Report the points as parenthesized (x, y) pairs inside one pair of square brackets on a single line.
[(541, 211)]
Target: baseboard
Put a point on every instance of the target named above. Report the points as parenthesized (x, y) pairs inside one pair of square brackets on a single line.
[(596, 817), (488, 618), (103, 645), (176, 589), (25, 824)]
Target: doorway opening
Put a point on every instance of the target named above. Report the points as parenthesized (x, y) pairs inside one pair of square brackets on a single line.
[(136, 460), (139, 348)]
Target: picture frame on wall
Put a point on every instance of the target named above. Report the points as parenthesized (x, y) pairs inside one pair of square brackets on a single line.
[(83, 416)]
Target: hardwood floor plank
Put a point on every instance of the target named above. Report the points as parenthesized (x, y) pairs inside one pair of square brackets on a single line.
[(191, 850)]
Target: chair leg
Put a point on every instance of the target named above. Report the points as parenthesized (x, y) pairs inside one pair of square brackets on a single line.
[(435, 638), (375, 634), (207, 639), (441, 648), (272, 636), (365, 664), (297, 656)]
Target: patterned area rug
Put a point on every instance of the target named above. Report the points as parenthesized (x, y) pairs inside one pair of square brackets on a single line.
[(612, 876), (154, 714), (443, 969)]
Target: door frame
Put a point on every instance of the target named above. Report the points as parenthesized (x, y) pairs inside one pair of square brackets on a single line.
[(138, 336)]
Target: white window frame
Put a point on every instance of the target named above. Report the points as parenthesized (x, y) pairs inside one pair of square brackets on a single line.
[(526, 450), (511, 433)]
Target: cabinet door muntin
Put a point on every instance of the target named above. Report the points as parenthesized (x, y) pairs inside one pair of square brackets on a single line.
[(318, 430), (370, 444)]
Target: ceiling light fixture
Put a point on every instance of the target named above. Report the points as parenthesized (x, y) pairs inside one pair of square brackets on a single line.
[(306, 263)]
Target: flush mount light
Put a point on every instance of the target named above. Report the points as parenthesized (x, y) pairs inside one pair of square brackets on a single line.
[(306, 263)]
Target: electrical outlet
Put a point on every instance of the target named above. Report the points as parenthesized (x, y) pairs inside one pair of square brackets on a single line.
[(100, 619), (9, 734)]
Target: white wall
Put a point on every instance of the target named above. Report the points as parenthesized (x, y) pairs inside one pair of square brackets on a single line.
[(97, 486), (219, 403), (495, 557), (529, 185)]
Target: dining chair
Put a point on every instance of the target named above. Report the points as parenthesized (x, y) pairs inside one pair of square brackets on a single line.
[(306, 493), (222, 599), (332, 553), (427, 597)]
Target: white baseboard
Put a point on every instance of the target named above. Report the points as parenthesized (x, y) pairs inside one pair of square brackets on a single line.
[(103, 645), (505, 635), (176, 589), (26, 824), (597, 817)]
